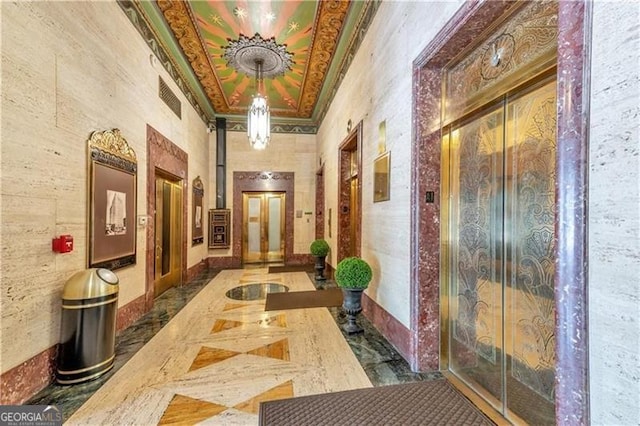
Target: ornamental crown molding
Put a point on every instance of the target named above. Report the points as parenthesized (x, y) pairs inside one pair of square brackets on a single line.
[(112, 142)]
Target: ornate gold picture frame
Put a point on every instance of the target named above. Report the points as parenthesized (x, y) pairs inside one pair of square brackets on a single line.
[(197, 224), (112, 201), (381, 181)]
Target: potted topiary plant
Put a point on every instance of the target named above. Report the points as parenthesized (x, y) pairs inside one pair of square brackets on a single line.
[(319, 249), (353, 275)]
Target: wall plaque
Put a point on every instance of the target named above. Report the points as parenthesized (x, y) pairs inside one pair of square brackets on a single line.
[(219, 228)]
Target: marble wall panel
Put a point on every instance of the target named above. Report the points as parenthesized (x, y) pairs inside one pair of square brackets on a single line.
[(614, 215), (85, 68)]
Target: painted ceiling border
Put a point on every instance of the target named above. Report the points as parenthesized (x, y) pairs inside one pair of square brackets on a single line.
[(361, 21), (235, 125)]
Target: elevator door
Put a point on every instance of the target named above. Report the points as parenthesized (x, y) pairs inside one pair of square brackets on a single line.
[(168, 235), (263, 227), (501, 254)]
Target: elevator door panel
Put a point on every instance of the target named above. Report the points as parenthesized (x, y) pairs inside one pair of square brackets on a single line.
[(263, 227), (529, 246), (476, 226), (168, 235), (501, 221)]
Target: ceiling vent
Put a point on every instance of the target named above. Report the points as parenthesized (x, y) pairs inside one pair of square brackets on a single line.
[(170, 98)]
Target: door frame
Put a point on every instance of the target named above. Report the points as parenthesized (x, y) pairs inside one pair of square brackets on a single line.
[(264, 181), (468, 23), (165, 158), (352, 143)]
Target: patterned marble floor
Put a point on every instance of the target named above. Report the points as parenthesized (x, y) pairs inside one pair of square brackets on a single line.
[(220, 357)]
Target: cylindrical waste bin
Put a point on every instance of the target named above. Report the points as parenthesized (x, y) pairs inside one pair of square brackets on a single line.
[(88, 328)]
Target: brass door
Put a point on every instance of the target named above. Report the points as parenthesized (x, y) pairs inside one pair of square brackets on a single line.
[(500, 253), (263, 227), (168, 235)]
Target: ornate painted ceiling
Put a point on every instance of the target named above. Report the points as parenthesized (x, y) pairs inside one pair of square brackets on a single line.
[(190, 38)]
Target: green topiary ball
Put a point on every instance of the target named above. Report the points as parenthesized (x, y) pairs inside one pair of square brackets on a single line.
[(353, 272), (319, 248)]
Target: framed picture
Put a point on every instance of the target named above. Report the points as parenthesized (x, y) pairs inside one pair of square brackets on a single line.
[(381, 167), (112, 199), (197, 236)]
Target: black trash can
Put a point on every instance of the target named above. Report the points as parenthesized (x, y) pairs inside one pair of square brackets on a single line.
[(88, 327)]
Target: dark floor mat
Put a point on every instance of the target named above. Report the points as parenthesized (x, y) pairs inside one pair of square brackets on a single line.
[(421, 403), (303, 299)]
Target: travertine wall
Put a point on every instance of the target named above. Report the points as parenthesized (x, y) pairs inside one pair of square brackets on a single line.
[(614, 215), (69, 69), (285, 153), (378, 87)]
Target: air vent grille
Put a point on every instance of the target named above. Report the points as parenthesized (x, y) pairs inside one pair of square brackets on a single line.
[(170, 98)]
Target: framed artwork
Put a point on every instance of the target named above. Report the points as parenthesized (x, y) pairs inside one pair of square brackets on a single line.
[(197, 236), (112, 201), (381, 182)]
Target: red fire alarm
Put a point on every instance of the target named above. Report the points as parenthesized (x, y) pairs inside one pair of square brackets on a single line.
[(62, 244)]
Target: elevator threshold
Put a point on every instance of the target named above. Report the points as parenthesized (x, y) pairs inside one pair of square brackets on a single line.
[(258, 265), (476, 400)]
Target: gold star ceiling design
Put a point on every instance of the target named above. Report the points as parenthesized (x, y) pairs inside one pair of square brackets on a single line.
[(189, 38)]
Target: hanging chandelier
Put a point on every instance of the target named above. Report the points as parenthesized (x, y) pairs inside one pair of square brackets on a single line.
[(259, 116), (264, 58)]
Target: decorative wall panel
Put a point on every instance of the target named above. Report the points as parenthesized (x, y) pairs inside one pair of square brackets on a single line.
[(517, 50)]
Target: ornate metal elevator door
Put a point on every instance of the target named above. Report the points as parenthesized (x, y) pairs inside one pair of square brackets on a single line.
[(263, 227), (501, 254)]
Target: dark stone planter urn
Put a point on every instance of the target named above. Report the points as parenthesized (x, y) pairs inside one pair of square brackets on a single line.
[(320, 265), (352, 306)]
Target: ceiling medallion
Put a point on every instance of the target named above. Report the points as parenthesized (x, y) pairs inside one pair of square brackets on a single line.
[(243, 55)]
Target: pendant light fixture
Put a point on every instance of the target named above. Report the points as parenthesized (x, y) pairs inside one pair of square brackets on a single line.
[(259, 116), (264, 58)]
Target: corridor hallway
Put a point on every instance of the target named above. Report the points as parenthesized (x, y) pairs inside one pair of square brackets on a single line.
[(219, 357)]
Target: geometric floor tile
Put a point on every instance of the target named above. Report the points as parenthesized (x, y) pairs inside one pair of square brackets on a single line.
[(221, 325), (230, 306), (233, 381), (246, 338), (185, 410), (277, 350), (208, 356), (282, 391)]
